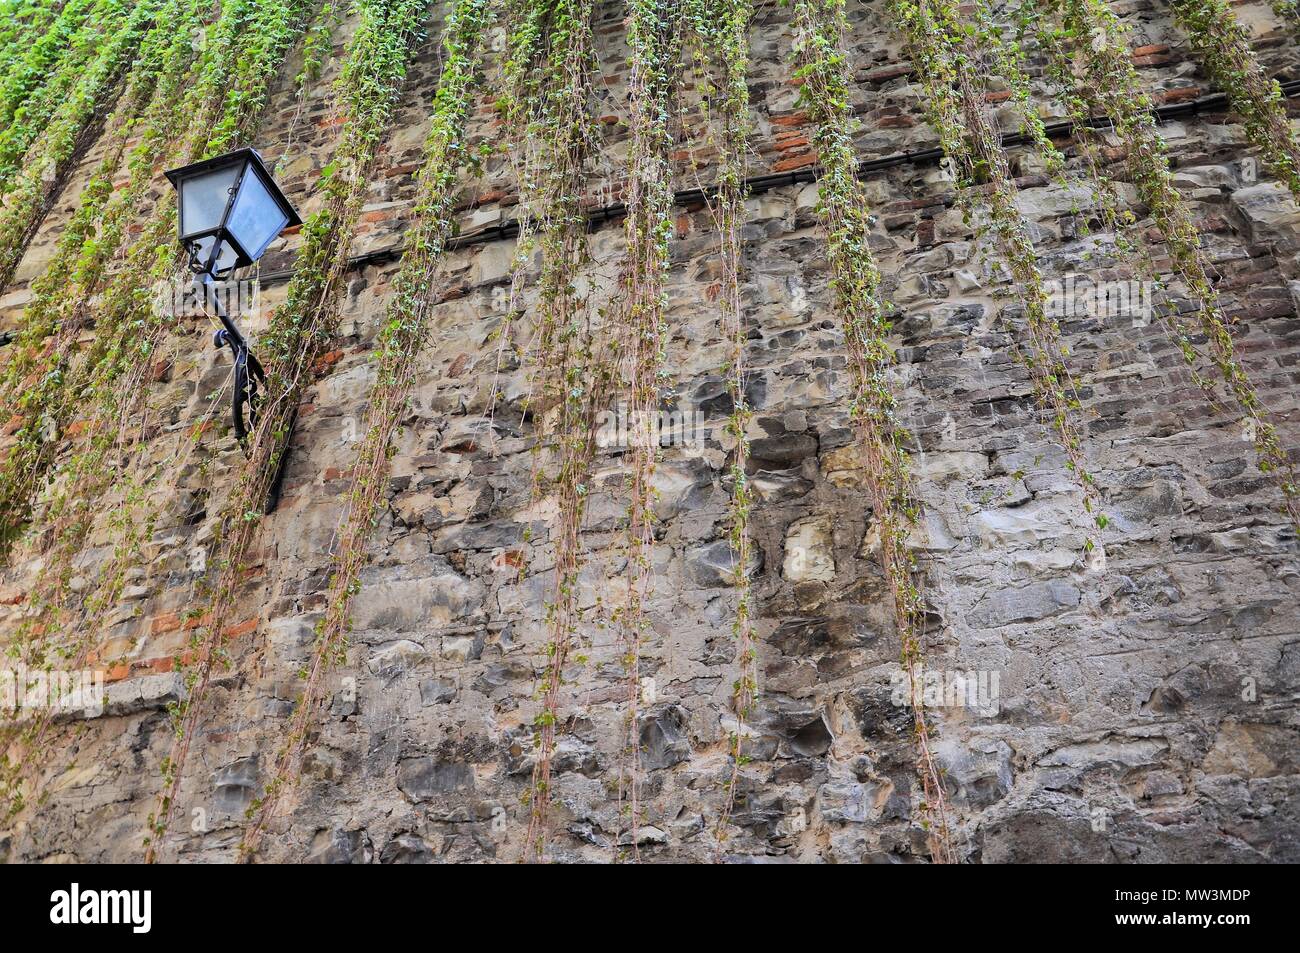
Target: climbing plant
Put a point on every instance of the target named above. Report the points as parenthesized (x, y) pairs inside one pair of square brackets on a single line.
[(100, 278), (51, 65), (80, 363), (316, 47), (404, 330), (719, 29), (1221, 42), (22, 24), (855, 282), (66, 516), (548, 70), (652, 33), (30, 190), (1090, 62), (942, 50), (370, 78)]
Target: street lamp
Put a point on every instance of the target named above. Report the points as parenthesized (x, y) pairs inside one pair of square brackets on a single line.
[(230, 211)]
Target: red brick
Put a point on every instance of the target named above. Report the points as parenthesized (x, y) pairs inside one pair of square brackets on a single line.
[(1179, 95), (247, 627), (795, 162), (117, 672), (327, 361), (793, 119), (166, 622)]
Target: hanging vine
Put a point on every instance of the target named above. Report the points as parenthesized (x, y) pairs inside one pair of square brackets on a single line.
[(1224, 48), (113, 381), (1090, 58), (370, 79), (23, 26), (652, 40), (1107, 211), (62, 68), (163, 54), (87, 237), (942, 51), (404, 331), (71, 622), (720, 29), (32, 189), (316, 46), (549, 71), (863, 315), (41, 78)]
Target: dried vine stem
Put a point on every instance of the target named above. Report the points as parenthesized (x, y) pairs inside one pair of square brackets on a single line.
[(720, 30), (520, 71), (856, 284), (550, 70), (1224, 48), (1087, 47), (404, 332), (652, 40), (943, 53), (371, 76), (131, 520)]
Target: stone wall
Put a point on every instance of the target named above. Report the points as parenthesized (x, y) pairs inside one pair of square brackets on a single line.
[(1146, 708)]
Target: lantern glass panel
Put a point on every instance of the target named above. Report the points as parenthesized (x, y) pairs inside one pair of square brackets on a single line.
[(226, 256), (204, 197), (257, 217)]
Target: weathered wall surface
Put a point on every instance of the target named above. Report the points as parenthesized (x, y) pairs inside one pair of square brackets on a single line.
[(1147, 707)]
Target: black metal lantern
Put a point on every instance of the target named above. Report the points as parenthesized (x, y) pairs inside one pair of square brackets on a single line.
[(230, 210)]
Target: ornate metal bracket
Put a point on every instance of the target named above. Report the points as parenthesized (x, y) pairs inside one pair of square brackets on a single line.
[(249, 384), (250, 379)]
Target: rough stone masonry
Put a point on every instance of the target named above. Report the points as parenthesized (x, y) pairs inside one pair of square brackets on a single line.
[(1146, 704)]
